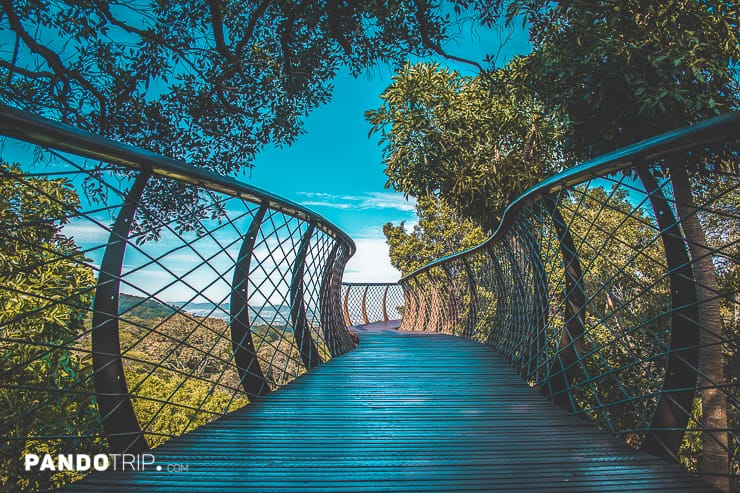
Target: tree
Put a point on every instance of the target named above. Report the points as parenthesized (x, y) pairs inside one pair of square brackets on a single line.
[(475, 142), (44, 279), (210, 82), (619, 72), (439, 232), (603, 74), (627, 292)]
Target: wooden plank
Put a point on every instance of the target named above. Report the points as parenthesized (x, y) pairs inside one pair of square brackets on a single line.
[(402, 413)]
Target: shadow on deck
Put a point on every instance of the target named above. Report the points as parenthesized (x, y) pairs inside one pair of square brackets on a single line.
[(403, 412)]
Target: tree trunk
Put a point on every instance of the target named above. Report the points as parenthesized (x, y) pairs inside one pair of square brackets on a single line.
[(715, 457)]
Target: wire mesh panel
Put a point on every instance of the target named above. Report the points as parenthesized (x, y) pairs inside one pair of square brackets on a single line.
[(365, 303), (613, 288), (143, 297)]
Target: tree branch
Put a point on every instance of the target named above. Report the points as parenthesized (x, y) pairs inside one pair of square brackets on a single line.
[(427, 42), (529, 145), (252, 25), (223, 49), (147, 34), (217, 23), (286, 28), (333, 19), (63, 73), (13, 68), (236, 60)]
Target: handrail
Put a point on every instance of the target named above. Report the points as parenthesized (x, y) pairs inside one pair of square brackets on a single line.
[(610, 288), (714, 129), (149, 315), (34, 129)]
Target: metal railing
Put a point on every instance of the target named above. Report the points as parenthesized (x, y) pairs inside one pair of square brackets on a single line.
[(143, 297), (600, 289), (364, 303)]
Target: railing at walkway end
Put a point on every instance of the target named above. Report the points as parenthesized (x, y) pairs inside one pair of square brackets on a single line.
[(142, 297), (365, 303), (613, 289)]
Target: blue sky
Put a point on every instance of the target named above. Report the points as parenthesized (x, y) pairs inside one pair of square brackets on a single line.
[(336, 170)]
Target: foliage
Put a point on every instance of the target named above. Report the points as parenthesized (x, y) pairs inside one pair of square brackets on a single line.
[(181, 374), (195, 346), (179, 368), (609, 74), (623, 264), (476, 143), (44, 294), (142, 308), (210, 82), (439, 232), (619, 72), (170, 404)]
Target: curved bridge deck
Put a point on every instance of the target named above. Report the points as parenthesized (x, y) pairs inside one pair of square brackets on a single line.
[(403, 412)]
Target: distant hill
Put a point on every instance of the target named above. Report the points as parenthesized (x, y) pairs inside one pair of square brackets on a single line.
[(143, 308), (131, 306), (259, 314)]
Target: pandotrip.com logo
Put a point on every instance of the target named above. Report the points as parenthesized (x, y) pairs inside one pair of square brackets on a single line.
[(97, 462)]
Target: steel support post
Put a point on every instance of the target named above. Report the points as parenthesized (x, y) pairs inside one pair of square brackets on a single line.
[(330, 302), (671, 415), (452, 314), (540, 302), (471, 319), (365, 319), (503, 299), (564, 365), (245, 354), (114, 401), (309, 353), (345, 306), (385, 304)]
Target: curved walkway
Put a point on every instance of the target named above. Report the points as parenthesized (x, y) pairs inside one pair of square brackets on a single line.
[(401, 413)]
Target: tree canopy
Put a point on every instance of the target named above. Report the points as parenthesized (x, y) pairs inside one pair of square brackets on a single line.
[(619, 72), (210, 82), (476, 142), (601, 75), (440, 231)]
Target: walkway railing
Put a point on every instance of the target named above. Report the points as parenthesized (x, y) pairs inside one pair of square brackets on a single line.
[(142, 297), (364, 303), (601, 290)]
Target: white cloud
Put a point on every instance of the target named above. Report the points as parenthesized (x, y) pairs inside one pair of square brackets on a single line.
[(388, 200), (367, 200), (85, 232), (322, 203), (371, 263)]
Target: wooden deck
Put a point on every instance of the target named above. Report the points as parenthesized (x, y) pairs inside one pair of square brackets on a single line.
[(403, 412)]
